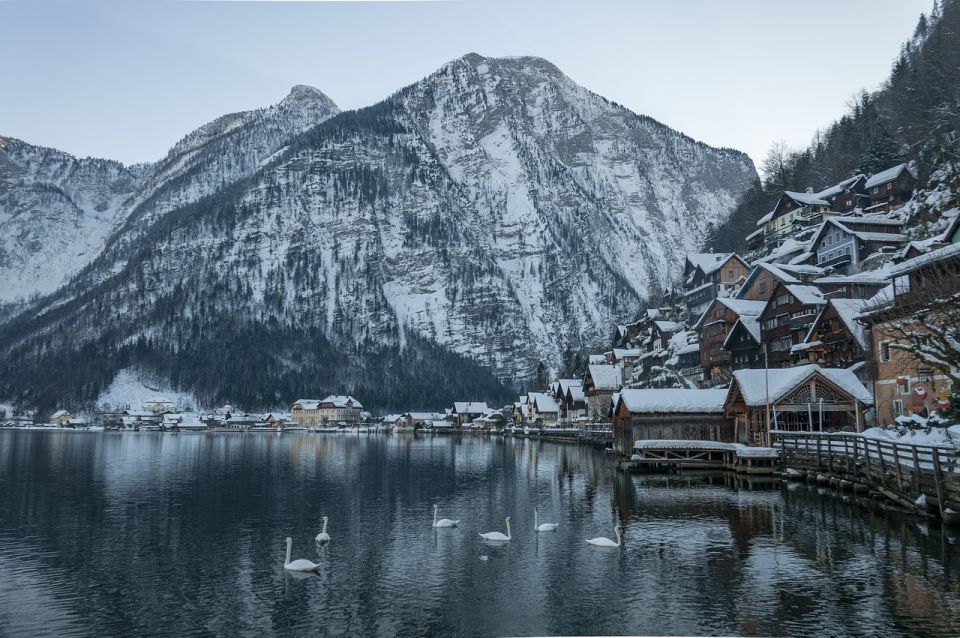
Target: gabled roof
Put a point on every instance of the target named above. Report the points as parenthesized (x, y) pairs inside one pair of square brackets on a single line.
[(605, 377), (752, 383), (810, 295), (807, 199), (885, 176), (565, 384), (707, 262), (836, 189), (743, 307), (848, 310), (597, 359), (543, 402), (575, 393), (470, 407), (674, 401), (750, 324), (341, 401), (668, 326)]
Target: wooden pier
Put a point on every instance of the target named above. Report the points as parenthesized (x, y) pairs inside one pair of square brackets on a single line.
[(678, 455), (921, 477)]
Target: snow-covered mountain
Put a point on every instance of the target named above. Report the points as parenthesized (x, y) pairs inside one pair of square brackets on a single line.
[(494, 210), (56, 210)]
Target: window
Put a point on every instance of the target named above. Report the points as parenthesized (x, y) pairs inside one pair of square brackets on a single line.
[(897, 408), (770, 324), (876, 190), (905, 387), (763, 287), (782, 319), (783, 300), (884, 351)]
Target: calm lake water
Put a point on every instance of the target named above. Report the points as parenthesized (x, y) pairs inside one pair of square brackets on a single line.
[(120, 534)]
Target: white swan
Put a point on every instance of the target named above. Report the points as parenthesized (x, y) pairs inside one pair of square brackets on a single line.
[(323, 537), (546, 527), (299, 565), (606, 542), (443, 522), (498, 536)]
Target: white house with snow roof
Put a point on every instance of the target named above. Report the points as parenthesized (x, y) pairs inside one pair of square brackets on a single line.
[(332, 409), (467, 411)]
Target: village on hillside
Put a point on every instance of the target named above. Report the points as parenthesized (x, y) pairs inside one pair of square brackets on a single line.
[(828, 322)]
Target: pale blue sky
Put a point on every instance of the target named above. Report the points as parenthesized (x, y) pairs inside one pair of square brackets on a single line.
[(126, 80)]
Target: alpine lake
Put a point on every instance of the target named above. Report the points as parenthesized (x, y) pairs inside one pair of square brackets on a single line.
[(119, 534)]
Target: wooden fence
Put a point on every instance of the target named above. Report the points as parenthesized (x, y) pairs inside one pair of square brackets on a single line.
[(900, 471)]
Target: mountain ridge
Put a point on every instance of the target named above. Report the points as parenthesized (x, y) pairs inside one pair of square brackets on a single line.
[(495, 210)]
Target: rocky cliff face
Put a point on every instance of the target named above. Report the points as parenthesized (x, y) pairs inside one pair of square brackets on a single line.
[(57, 211), (494, 212)]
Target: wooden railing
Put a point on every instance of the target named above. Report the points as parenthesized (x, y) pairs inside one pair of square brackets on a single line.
[(901, 471)]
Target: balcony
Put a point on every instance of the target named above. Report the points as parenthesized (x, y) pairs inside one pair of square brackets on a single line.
[(836, 262)]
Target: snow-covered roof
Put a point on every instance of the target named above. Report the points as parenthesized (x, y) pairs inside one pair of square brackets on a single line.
[(59, 413), (690, 347), (807, 199), (668, 326), (848, 310), (931, 257), (341, 401), (763, 220), (750, 324), (542, 402), (885, 176), (673, 400), (470, 407), (575, 392), (836, 189), (605, 377), (754, 234), (743, 307), (799, 259), (752, 383), (809, 295), (565, 384), (707, 262), (653, 313), (629, 353), (597, 359), (307, 404)]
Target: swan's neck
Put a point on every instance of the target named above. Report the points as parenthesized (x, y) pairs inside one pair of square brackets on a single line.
[(536, 519), (289, 550), (434, 514), (619, 540), (325, 521), (508, 529)]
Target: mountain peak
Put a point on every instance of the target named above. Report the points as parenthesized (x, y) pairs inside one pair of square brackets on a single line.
[(510, 62), (303, 94)]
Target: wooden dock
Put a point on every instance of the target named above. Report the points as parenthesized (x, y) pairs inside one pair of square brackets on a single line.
[(919, 477), (678, 455)]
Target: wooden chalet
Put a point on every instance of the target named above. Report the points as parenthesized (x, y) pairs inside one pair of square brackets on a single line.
[(786, 320), (890, 189), (743, 344), (763, 279), (836, 339), (714, 327), (709, 275), (806, 398)]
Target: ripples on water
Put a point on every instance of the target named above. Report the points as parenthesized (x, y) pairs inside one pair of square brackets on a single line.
[(119, 534)]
